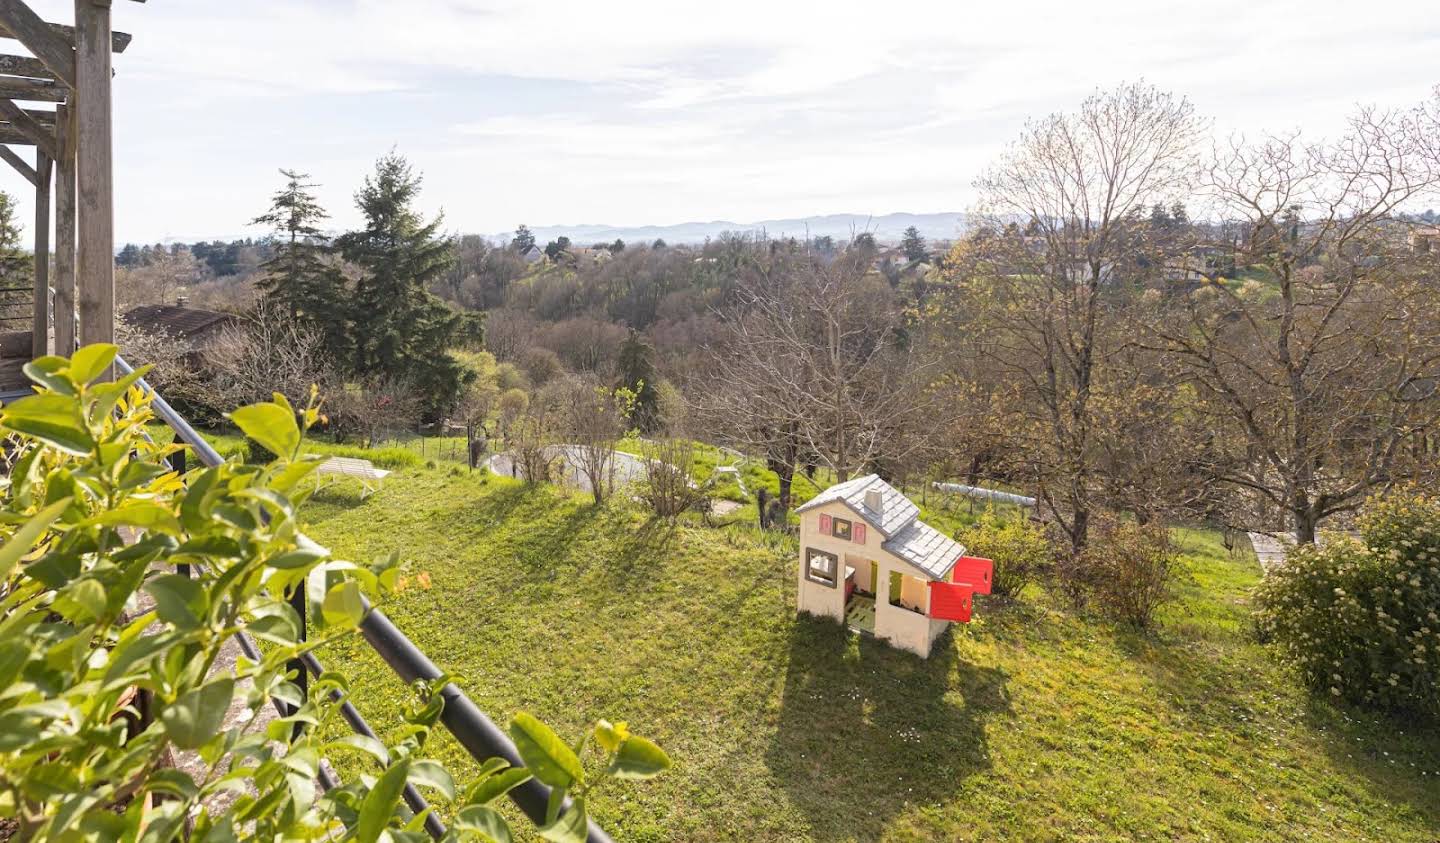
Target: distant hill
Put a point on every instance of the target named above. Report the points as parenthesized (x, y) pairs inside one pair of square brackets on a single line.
[(887, 229)]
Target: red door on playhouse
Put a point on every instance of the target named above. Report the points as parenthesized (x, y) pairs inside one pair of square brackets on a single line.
[(974, 571), (952, 601)]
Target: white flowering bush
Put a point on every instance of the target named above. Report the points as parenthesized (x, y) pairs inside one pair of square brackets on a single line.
[(1360, 620)]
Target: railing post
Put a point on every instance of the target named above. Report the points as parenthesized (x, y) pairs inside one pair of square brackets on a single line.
[(302, 676)]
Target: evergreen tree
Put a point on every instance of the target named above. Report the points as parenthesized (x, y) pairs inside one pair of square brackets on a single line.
[(523, 239), (617, 247), (555, 248), (401, 330), (914, 245), (297, 279), (14, 264), (129, 256), (637, 374)]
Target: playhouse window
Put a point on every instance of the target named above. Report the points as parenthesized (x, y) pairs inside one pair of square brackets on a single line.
[(821, 567), (840, 528)]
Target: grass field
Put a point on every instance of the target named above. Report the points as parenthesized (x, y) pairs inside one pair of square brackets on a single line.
[(1033, 724)]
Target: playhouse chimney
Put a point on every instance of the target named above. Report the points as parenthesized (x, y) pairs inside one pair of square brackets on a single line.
[(873, 500)]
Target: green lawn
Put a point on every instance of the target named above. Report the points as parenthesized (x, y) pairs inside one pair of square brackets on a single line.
[(1032, 724)]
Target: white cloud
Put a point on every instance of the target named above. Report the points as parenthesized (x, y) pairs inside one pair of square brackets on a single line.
[(651, 111)]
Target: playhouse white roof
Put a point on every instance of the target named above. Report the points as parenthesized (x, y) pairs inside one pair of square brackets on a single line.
[(897, 511), (906, 536), (926, 548)]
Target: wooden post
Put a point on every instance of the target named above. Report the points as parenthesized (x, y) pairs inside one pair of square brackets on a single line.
[(96, 178), (64, 306), (40, 330)]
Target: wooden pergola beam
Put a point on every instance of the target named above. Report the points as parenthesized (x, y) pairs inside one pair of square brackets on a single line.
[(9, 134), (118, 40), (33, 90), (54, 50), (10, 157), (43, 137), (95, 186), (40, 325), (24, 66), (64, 306)]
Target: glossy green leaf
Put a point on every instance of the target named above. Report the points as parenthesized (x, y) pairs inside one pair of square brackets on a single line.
[(639, 758), (570, 827), (51, 418), (179, 600), (25, 538), (379, 804), (547, 757), (485, 821), (493, 787), (90, 362), (364, 743), (343, 605), (425, 773), (271, 425), (140, 515), (196, 716)]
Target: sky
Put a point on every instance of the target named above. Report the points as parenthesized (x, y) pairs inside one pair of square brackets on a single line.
[(635, 112)]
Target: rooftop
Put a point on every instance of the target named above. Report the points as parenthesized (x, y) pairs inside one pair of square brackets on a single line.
[(905, 535), (896, 510)]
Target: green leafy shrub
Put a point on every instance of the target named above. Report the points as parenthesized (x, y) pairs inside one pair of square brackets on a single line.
[(110, 652), (1019, 548), (1128, 569), (1360, 620)]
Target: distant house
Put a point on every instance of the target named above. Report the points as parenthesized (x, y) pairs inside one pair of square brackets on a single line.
[(534, 254), (867, 560), (1424, 241), (598, 254), (193, 327)]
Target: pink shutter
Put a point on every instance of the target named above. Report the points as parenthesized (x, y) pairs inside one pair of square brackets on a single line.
[(857, 534), (825, 525)]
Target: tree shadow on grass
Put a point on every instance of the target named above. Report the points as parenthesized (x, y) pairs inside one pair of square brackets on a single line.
[(862, 737), (1398, 758), (640, 552)]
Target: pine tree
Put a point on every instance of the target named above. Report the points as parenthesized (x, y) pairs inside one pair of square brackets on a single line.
[(523, 239), (638, 374), (297, 279), (400, 329), (914, 245), (14, 265)]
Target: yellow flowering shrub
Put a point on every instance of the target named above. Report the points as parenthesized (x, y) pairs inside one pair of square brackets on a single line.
[(1360, 619)]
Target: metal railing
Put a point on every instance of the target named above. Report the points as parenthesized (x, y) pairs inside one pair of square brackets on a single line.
[(474, 730)]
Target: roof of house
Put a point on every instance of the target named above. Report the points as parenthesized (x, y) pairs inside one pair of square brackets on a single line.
[(905, 535), (926, 548), (179, 322), (896, 510)]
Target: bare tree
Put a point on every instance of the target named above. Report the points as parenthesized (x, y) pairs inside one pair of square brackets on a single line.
[(263, 354), (1039, 290), (532, 436), (669, 486), (594, 421), (162, 279), (174, 375), (818, 362), (373, 410), (1320, 368)]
